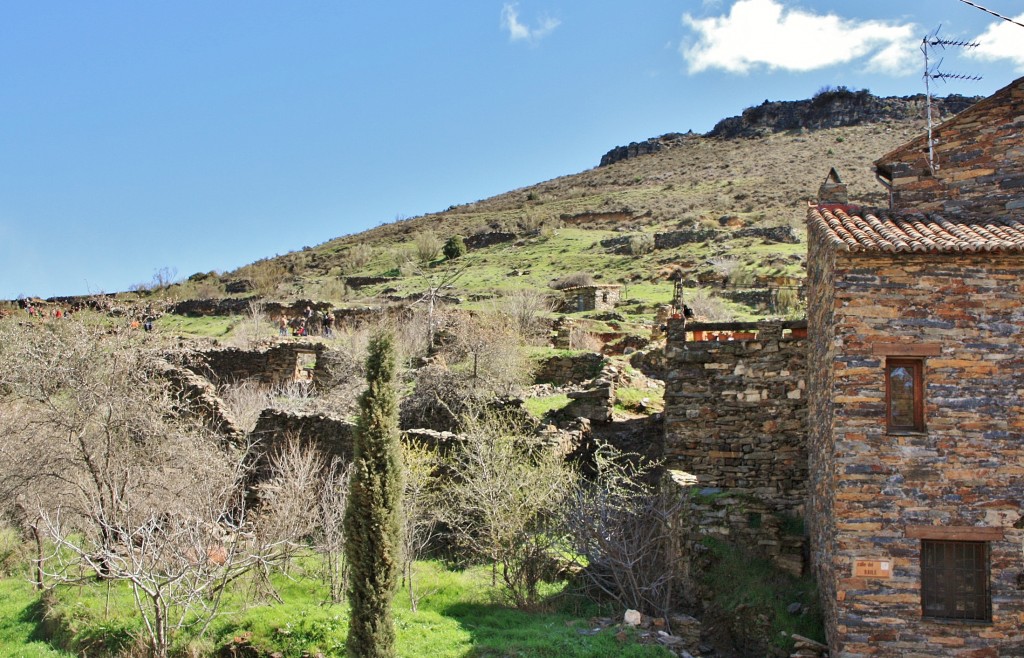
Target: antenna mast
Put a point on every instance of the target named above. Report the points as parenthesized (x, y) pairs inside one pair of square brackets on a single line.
[(928, 44)]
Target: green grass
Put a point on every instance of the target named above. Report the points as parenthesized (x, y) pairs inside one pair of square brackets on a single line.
[(741, 581), (213, 326), (628, 398), (459, 616), (540, 407), (20, 622)]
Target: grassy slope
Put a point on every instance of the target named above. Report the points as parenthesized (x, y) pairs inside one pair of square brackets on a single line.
[(763, 182)]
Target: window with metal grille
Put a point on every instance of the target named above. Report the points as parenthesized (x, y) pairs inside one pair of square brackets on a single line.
[(955, 580)]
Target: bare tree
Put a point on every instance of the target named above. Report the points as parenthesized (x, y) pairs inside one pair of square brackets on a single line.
[(122, 485), (620, 524), (524, 310), (330, 536), (419, 507)]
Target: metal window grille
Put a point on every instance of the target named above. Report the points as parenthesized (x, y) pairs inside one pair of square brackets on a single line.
[(955, 580)]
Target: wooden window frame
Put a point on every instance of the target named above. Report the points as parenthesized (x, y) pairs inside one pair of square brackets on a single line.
[(955, 564), (916, 367)]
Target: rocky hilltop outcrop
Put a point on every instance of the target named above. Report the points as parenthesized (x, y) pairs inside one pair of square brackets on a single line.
[(831, 108)]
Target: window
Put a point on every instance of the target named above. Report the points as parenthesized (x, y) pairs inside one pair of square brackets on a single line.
[(904, 395), (955, 580)]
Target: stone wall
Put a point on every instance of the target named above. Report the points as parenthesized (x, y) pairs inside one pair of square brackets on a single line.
[(980, 172), (487, 239), (275, 366), (733, 518), (736, 412), (196, 396), (569, 368), (876, 494), (785, 234), (331, 437), (591, 298), (676, 239), (344, 317)]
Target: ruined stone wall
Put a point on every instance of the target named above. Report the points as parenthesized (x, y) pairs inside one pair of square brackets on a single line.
[(736, 415), (979, 163), (591, 298), (876, 494), (331, 437), (732, 518), (275, 366), (569, 368)]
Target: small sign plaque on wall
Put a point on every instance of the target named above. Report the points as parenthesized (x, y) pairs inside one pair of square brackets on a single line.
[(872, 569)]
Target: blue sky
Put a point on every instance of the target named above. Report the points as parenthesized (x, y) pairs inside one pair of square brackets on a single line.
[(205, 135)]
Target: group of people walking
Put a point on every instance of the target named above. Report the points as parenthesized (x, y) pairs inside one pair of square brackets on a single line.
[(310, 323)]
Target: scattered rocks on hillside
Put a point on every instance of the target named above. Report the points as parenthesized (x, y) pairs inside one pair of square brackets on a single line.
[(680, 633)]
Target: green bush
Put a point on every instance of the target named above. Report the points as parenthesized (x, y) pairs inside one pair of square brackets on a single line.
[(454, 247)]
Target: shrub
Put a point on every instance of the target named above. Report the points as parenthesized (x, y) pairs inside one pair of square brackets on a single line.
[(427, 246), (454, 247), (641, 244), (359, 256)]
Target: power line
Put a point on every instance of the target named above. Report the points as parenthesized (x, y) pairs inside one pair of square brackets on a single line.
[(989, 11)]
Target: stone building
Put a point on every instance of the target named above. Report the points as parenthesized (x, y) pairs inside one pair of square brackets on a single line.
[(916, 372), (591, 298)]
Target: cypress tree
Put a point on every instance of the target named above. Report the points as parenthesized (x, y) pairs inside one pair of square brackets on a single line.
[(372, 515)]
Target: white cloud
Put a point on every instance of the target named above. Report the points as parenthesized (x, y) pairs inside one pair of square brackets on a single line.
[(765, 33), (519, 32), (1002, 40)]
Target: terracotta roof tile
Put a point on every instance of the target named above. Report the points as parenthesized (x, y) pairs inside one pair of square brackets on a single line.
[(849, 228)]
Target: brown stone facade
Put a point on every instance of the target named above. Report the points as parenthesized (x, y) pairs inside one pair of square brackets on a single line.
[(875, 495), (736, 412), (979, 162)]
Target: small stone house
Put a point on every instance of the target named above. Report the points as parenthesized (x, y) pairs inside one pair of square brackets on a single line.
[(591, 298), (916, 377)]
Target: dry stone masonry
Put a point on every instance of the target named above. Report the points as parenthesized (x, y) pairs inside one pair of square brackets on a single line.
[(736, 412)]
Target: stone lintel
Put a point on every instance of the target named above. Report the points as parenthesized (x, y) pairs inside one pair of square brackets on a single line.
[(955, 533), (906, 349)]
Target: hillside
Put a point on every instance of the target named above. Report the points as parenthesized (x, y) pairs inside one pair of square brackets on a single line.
[(703, 206), (727, 206)]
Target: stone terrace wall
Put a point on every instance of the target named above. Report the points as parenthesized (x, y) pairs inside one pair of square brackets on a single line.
[(875, 492), (736, 413)]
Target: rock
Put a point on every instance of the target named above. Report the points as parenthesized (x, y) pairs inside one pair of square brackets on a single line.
[(794, 608), (632, 617), (802, 642)]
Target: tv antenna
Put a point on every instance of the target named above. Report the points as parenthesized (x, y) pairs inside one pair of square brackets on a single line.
[(928, 45)]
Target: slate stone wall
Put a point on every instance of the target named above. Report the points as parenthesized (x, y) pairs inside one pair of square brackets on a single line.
[(979, 160), (331, 437), (873, 492), (736, 413), (569, 368), (274, 366)]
